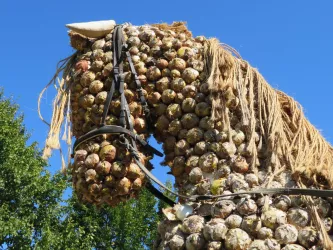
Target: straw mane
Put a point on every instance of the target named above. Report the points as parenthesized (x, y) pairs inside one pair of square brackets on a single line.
[(291, 141), (178, 27)]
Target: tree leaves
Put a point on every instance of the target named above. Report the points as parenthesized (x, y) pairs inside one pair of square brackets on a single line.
[(26, 189), (34, 216)]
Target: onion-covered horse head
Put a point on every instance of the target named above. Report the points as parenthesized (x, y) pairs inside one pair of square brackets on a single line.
[(236, 146)]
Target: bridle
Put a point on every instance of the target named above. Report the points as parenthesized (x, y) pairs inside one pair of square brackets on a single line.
[(129, 139), (125, 128)]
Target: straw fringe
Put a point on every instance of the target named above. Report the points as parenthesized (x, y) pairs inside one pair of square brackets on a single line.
[(291, 141), (177, 27), (60, 111)]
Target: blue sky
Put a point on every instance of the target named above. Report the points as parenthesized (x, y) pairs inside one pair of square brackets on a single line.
[(290, 42)]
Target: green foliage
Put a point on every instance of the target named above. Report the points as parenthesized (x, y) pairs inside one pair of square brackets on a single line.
[(28, 194), (34, 216), (162, 204), (129, 226)]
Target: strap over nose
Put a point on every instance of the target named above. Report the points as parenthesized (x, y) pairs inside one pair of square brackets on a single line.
[(113, 129)]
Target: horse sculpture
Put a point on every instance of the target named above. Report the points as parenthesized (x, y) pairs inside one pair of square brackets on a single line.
[(242, 153)]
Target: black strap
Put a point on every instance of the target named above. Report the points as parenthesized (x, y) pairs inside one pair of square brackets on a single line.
[(117, 35), (287, 191), (142, 98), (108, 102), (158, 194), (113, 129)]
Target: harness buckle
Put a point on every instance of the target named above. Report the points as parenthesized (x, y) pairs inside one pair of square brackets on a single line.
[(139, 90), (125, 47)]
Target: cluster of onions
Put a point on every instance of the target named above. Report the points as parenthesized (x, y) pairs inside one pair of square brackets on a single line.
[(243, 224), (103, 170), (204, 156)]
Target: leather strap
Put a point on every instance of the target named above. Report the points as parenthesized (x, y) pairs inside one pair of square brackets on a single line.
[(142, 98), (108, 102), (113, 129), (158, 194), (116, 71), (273, 191)]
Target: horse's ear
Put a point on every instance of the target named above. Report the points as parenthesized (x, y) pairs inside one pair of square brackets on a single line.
[(93, 29)]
